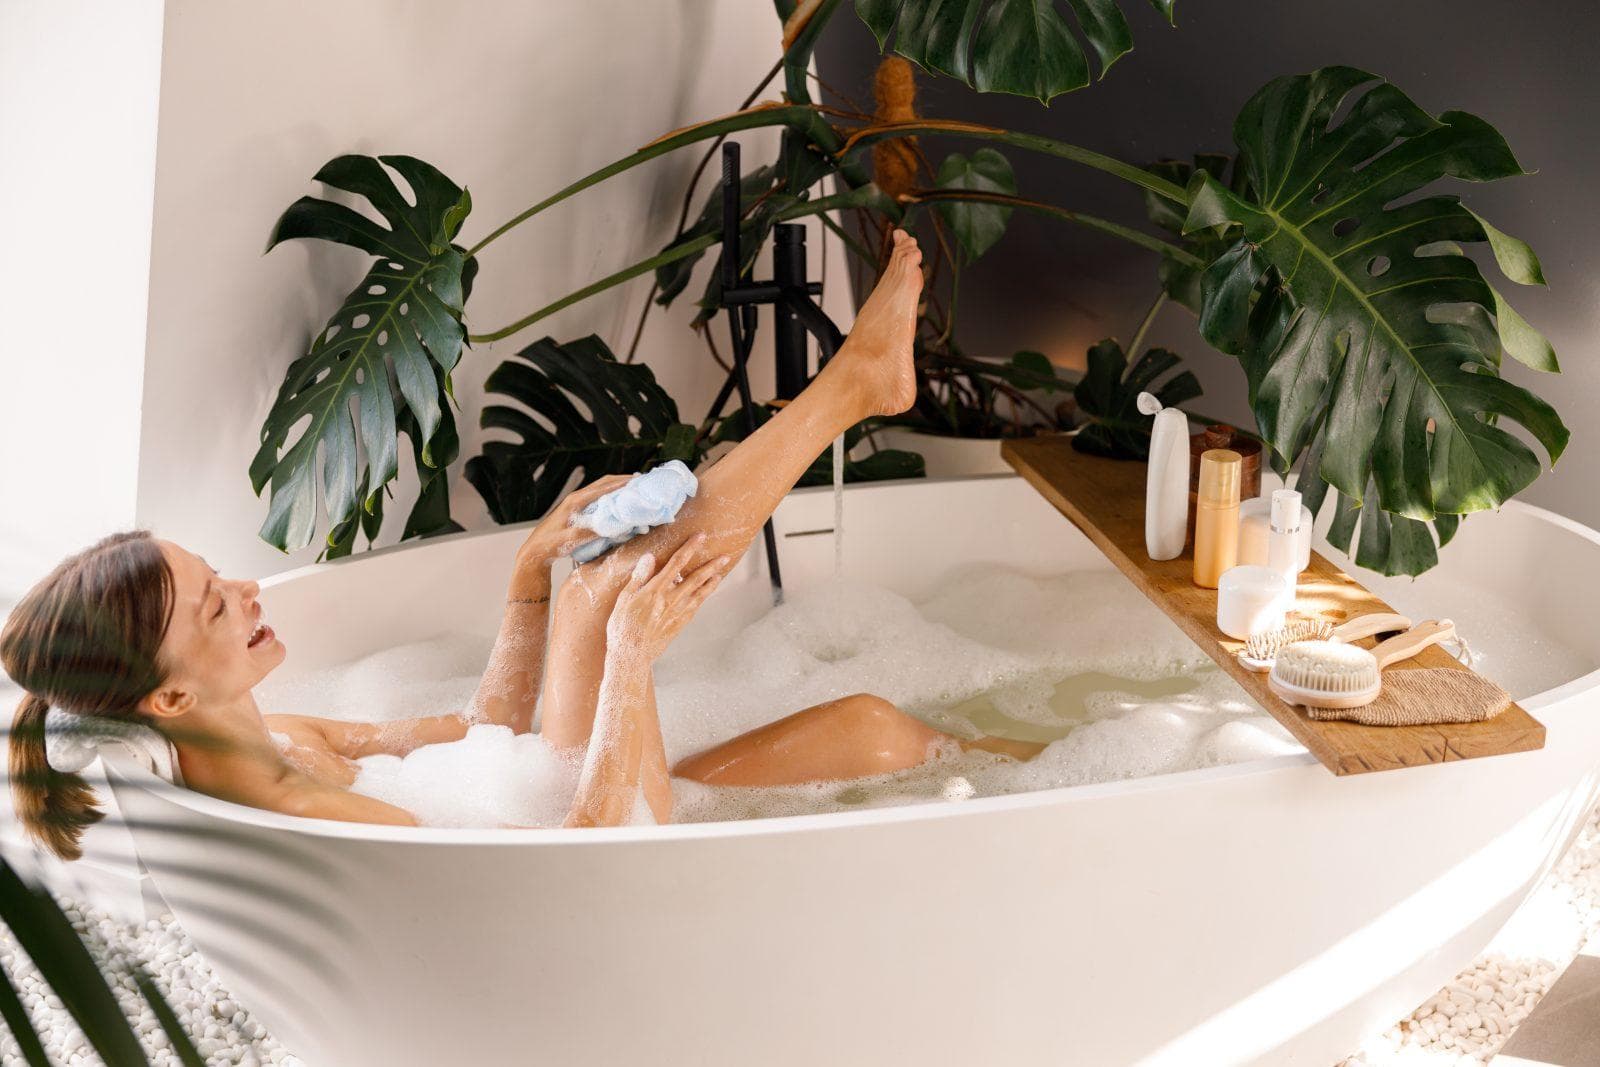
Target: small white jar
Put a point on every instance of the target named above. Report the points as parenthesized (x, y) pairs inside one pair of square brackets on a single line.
[(1255, 530), (1250, 600)]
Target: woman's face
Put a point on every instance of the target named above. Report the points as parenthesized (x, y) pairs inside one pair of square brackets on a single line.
[(218, 645)]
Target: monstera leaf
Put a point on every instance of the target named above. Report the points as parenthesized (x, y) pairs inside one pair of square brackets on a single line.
[(430, 515), (1180, 280), (1033, 370), (1108, 397), (385, 354), (581, 411), (1023, 47), (976, 226), (1369, 339)]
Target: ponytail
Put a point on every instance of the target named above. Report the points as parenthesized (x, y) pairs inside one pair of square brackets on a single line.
[(54, 808), (86, 639)]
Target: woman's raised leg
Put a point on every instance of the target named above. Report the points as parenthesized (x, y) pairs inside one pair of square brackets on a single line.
[(871, 374)]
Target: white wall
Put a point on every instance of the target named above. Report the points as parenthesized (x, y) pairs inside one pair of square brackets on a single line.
[(512, 100), (78, 89)]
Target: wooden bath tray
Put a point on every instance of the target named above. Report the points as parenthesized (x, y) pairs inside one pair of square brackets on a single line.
[(1105, 499)]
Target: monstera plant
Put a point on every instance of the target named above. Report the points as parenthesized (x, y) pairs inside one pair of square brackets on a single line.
[(1371, 342), (631, 422), (381, 365), (1024, 47), (1321, 256)]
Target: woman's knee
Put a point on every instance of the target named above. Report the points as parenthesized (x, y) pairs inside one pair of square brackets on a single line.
[(882, 723), (868, 708)]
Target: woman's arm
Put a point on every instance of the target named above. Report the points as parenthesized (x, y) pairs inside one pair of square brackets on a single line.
[(651, 610), (609, 784), (509, 689), (353, 740), (312, 800)]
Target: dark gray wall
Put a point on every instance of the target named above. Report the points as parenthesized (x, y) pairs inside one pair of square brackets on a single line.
[(1531, 68)]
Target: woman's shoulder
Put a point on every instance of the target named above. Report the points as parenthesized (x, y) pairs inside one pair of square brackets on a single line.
[(333, 736), (313, 746)]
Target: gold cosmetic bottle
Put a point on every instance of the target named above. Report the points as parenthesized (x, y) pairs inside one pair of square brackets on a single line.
[(1216, 519)]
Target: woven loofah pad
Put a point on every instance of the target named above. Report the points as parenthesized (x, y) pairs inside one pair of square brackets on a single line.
[(1423, 696)]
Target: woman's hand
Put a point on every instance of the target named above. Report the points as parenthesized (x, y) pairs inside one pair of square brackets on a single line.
[(655, 605), (555, 535)]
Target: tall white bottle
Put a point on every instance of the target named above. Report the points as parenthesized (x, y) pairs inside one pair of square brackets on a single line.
[(1166, 492), (1283, 540)]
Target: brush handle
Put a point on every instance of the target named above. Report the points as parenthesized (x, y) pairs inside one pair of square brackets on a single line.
[(1414, 640), (1376, 622)]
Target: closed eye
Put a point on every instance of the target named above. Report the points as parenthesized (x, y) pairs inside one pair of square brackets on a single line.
[(222, 601)]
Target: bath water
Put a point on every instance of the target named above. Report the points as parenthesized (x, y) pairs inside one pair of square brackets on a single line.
[(1079, 660)]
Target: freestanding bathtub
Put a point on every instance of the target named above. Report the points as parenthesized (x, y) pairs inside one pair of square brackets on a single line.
[(1261, 912)]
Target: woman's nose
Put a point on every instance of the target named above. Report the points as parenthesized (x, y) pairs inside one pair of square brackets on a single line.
[(249, 590)]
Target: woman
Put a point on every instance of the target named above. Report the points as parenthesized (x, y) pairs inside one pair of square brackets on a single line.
[(136, 629)]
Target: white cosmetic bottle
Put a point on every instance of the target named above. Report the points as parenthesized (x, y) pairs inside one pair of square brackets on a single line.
[(1166, 493), (1283, 539)]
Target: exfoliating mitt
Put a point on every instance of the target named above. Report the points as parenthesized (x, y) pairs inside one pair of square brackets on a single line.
[(649, 499), (1423, 696)]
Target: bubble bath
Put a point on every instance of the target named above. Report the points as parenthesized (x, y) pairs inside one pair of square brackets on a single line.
[(1080, 660)]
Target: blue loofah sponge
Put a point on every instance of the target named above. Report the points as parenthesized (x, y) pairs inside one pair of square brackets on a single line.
[(650, 499)]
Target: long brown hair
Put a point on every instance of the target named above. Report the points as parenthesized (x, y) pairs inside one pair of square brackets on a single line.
[(85, 639)]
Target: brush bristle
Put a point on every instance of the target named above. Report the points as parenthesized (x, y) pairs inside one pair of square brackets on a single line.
[(1326, 666), (1267, 645)]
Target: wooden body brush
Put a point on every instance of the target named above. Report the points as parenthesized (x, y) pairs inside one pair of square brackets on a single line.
[(1261, 649), (1332, 674)]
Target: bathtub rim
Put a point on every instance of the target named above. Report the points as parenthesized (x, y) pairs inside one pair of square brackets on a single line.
[(121, 768)]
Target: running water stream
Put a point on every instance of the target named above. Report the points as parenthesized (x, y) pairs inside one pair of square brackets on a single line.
[(838, 506)]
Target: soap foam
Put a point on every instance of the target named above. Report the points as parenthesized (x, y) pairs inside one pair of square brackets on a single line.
[(989, 640)]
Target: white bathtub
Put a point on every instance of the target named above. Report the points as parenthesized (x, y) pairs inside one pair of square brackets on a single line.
[(1263, 912)]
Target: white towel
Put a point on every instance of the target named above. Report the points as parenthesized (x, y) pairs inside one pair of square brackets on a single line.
[(72, 742)]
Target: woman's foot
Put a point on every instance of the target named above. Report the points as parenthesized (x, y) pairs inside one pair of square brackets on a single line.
[(876, 359), (1021, 751)]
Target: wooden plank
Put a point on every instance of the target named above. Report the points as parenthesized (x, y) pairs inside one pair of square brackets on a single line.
[(1105, 499)]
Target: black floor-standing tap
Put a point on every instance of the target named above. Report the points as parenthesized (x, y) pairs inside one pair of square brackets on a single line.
[(796, 315)]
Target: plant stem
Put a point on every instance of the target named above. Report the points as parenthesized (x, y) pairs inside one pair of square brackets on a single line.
[(862, 251), (672, 255), (955, 294), (1144, 327), (1044, 145), (688, 203), (750, 119), (1093, 222), (797, 56)]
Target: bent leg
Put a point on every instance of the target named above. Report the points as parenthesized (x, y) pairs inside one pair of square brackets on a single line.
[(851, 737), (872, 374)]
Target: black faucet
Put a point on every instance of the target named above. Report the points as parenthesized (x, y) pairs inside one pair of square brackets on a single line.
[(796, 315)]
